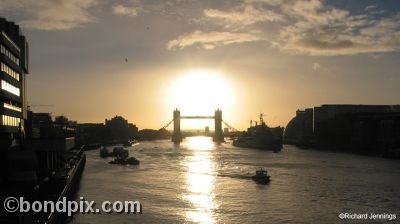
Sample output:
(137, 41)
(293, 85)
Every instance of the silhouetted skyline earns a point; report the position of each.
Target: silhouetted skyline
(94, 59)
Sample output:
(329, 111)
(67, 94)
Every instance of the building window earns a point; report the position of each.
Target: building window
(10, 55)
(10, 121)
(9, 88)
(11, 42)
(9, 71)
(12, 107)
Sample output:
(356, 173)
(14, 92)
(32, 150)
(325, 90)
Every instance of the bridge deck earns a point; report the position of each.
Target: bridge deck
(197, 117)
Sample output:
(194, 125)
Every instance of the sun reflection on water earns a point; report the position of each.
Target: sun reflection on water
(199, 143)
(200, 180)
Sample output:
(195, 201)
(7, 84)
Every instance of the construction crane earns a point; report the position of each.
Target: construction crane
(39, 105)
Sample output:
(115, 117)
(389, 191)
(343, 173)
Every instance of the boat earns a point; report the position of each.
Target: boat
(117, 152)
(121, 152)
(125, 161)
(132, 161)
(103, 152)
(127, 144)
(261, 177)
(261, 136)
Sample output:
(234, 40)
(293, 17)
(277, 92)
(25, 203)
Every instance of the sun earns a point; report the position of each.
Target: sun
(200, 92)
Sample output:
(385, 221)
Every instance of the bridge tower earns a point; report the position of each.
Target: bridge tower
(218, 135)
(176, 135)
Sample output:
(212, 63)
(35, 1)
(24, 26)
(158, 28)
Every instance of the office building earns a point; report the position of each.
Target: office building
(14, 65)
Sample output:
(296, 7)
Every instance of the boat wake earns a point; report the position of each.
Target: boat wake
(236, 176)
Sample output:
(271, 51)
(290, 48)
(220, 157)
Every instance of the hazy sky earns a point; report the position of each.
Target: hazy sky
(270, 56)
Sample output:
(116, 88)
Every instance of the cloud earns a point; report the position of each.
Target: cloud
(51, 15)
(369, 7)
(307, 27)
(316, 66)
(210, 40)
(375, 56)
(269, 2)
(124, 11)
(249, 15)
(316, 30)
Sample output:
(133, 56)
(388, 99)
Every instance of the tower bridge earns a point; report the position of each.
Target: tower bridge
(218, 133)
(177, 135)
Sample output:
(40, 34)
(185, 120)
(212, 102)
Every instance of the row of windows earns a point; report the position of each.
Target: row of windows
(9, 71)
(10, 55)
(10, 121)
(12, 107)
(9, 88)
(11, 42)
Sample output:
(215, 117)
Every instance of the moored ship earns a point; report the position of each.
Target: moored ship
(261, 136)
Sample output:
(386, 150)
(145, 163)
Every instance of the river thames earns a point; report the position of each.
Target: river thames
(203, 182)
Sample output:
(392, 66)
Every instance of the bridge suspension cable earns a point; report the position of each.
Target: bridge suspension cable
(230, 126)
(225, 123)
(166, 126)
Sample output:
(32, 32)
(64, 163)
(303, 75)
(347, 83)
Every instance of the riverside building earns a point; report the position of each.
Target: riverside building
(14, 54)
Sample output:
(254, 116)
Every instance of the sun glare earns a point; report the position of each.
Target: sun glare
(200, 92)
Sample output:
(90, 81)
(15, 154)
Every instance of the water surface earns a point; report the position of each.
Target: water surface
(203, 182)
